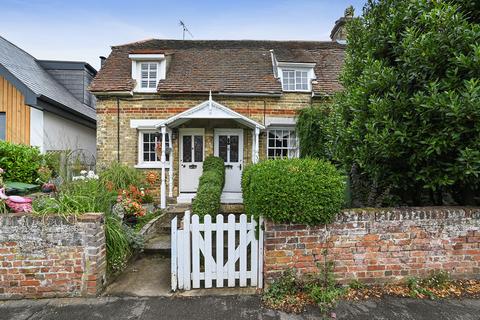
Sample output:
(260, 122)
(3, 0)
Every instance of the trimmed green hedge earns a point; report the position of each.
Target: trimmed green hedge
(20, 162)
(207, 200)
(306, 191)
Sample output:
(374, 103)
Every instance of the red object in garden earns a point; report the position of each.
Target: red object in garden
(16, 203)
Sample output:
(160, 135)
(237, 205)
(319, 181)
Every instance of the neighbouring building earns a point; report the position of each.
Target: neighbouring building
(167, 104)
(46, 103)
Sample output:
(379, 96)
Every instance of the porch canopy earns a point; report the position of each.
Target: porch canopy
(206, 110)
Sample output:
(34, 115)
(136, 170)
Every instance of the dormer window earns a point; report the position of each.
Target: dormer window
(294, 76)
(149, 75)
(295, 80)
(147, 71)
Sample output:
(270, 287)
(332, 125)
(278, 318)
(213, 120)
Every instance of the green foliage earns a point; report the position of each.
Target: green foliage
(411, 105)
(75, 198)
(356, 284)
(83, 196)
(117, 243)
(424, 287)
(19, 161)
(316, 129)
(287, 291)
(293, 190)
(120, 177)
(286, 285)
(207, 200)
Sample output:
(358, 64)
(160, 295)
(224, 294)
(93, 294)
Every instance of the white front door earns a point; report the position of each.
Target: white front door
(191, 158)
(229, 147)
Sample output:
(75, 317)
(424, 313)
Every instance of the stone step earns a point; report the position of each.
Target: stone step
(159, 244)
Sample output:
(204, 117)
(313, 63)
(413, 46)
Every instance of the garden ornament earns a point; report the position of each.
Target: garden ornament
(16, 203)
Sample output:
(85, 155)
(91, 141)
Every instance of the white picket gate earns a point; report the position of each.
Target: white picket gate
(216, 251)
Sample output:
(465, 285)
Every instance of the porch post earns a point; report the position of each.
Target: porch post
(170, 171)
(163, 195)
(253, 146)
(257, 133)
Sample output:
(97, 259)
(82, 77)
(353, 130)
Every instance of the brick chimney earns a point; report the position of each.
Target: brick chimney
(339, 33)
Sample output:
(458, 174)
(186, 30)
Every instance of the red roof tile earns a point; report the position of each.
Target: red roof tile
(233, 66)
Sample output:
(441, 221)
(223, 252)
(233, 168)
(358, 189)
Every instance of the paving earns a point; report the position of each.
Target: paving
(231, 308)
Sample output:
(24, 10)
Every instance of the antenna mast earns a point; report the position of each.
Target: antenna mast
(185, 29)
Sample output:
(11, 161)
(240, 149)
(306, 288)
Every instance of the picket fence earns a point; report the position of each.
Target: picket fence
(203, 253)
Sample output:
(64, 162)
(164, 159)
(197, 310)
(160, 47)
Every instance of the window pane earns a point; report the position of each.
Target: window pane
(144, 84)
(198, 148)
(233, 148)
(153, 66)
(222, 147)
(187, 148)
(3, 127)
(144, 66)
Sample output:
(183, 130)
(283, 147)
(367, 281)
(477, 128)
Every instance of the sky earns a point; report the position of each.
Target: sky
(85, 30)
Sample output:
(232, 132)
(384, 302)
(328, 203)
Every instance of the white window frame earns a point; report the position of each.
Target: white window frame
(296, 153)
(297, 67)
(148, 79)
(138, 60)
(141, 163)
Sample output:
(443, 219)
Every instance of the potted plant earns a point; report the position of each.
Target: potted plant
(132, 208)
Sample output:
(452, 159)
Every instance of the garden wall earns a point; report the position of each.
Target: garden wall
(43, 257)
(380, 245)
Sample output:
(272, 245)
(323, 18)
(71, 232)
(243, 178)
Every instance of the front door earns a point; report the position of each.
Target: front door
(229, 147)
(191, 158)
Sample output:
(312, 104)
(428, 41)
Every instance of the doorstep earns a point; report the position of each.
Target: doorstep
(226, 198)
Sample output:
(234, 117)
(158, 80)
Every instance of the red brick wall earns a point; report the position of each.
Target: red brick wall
(379, 245)
(44, 257)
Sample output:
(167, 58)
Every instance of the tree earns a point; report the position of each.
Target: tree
(410, 111)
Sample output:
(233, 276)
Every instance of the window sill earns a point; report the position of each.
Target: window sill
(151, 165)
(303, 91)
(146, 90)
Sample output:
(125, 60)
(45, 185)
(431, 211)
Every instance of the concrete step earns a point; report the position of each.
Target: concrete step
(159, 244)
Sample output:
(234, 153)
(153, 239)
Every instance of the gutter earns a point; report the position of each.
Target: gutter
(112, 93)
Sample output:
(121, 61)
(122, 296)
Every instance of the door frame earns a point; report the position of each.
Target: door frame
(185, 132)
(241, 146)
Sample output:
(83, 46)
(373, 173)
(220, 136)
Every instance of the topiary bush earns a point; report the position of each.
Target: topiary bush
(305, 191)
(207, 200)
(20, 162)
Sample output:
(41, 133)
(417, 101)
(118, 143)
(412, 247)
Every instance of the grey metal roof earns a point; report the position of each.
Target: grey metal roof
(27, 70)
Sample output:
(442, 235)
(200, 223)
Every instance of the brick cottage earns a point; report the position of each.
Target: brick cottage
(167, 104)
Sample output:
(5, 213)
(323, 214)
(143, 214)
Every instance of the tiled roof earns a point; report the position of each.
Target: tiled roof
(28, 70)
(232, 66)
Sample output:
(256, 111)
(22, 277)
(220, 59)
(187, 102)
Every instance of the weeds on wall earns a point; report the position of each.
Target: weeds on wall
(292, 293)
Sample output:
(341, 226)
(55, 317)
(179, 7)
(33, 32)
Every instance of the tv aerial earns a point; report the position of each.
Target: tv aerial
(185, 30)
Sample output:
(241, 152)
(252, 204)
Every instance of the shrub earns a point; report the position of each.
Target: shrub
(119, 177)
(20, 162)
(293, 190)
(410, 105)
(317, 132)
(207, 200)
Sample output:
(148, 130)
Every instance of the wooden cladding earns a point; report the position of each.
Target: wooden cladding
(12, 103)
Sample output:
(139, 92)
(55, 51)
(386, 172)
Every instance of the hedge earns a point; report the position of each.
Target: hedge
(210, 187)
(20, 162)
(306, 191)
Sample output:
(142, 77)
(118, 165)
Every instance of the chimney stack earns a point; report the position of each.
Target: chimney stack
(339, 33)
(102, 61)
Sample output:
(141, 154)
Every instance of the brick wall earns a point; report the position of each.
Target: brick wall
(43, 257)
(379, 245)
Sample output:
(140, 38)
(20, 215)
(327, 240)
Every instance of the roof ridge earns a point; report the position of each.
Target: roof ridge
(227, 40)
(13, 44)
